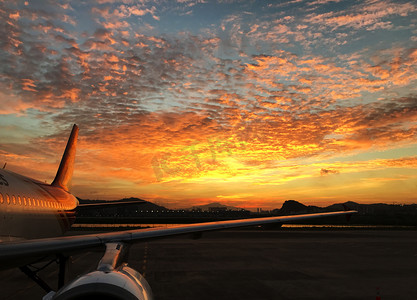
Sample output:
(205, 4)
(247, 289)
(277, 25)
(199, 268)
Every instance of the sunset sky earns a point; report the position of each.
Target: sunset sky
(247, 103)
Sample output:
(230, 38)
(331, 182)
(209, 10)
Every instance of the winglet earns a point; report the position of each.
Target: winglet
(66, 167)
(348, 216)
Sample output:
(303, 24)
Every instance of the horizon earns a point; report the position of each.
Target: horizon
(247, 103)
(254, 209)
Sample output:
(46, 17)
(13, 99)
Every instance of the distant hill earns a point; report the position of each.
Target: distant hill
(368, 214)
(292, 206)
(150, 213)
(122, 210)
(213, 205)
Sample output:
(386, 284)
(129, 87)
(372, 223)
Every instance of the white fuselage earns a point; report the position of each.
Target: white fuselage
(32, 209)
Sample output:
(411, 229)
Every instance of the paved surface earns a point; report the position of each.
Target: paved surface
(250, 264)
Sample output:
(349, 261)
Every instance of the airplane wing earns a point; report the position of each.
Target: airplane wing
(106, 204)
(14, 254)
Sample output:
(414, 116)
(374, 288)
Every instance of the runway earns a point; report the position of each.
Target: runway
(252, 264)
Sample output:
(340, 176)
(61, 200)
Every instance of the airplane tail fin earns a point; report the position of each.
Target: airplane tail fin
(66, 167)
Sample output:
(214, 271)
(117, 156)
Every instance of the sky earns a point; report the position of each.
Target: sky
(246, 103)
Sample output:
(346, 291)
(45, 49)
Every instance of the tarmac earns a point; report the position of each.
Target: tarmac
(257, 264)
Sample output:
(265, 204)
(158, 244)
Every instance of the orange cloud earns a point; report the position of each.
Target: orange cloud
(29, 85)
(368, 15)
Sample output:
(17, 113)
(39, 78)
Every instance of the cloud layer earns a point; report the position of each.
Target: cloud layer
(168, 95)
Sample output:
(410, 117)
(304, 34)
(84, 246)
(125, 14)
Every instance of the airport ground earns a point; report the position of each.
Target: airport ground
(271, 264)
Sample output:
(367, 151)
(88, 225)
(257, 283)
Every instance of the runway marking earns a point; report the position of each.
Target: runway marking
(145, 260)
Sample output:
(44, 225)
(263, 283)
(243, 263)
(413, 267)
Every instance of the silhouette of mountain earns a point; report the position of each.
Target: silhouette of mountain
(291, 207)
(216, 205)
(368, 214)
(126, 210)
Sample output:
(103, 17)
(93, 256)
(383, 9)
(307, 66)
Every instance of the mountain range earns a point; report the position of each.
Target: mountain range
(368, 214)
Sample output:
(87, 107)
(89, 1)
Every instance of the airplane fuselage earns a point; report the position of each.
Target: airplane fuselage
(33, 209)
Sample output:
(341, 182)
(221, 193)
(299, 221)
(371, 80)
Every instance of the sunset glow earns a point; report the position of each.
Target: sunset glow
(247, 103)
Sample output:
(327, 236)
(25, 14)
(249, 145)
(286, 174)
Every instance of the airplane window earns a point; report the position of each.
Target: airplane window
(1, 198)
(14, 199)
(8, 198)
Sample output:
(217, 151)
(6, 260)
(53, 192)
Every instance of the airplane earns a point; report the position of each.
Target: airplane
(34, 216)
